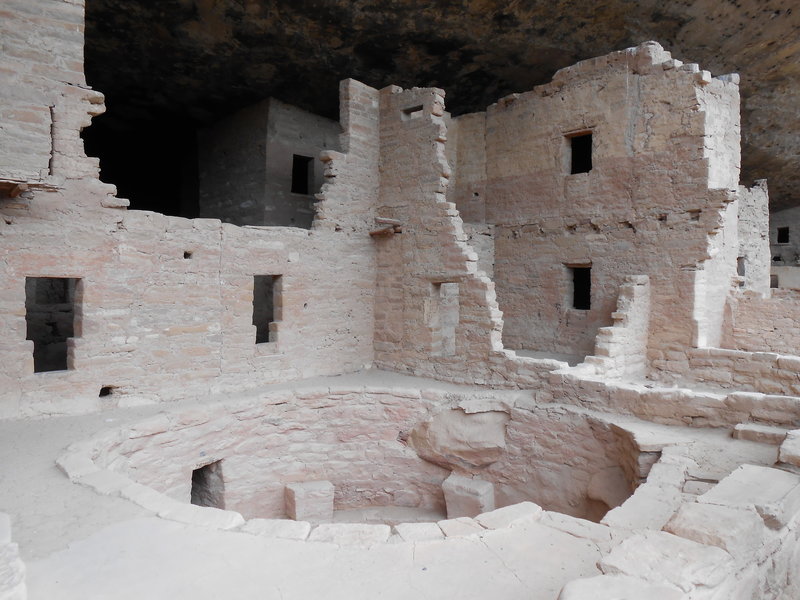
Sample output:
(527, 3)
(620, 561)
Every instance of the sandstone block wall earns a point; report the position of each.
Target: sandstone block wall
(626, 216)
(246, 161)
(165, 304)
(430, 253)
(367, 443)
(765, 323)
(789, 252)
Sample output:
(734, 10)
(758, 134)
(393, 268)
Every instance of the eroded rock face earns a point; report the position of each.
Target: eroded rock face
(205, 58)
(456, 439)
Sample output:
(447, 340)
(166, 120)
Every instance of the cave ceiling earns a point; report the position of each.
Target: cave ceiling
(197, 60)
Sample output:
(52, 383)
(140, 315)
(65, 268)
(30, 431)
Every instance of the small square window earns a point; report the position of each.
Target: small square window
(783, 235)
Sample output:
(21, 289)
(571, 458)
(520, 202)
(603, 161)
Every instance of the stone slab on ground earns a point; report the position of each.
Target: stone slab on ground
(618, 587)
(419, 532)
(737, 531)
(665, 559)
(461, 526)
(775, 494)
(278, 528)
(350, 534)
(509, 515)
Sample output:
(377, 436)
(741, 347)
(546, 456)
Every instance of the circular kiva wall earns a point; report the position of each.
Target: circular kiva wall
(379, 448)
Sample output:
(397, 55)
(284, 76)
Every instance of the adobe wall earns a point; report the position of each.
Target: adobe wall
(165, 303)
(663, 134)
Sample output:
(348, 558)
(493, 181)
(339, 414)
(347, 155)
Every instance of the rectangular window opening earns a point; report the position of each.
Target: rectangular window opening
(208, 487)
(581, 287)
(302, 174)
(413, 112)
(580, 153)
(740, 266)
(266, 307)
(444, 318)
(783, 235)
(50, 320)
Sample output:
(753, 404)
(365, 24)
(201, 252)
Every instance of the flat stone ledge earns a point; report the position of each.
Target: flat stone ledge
(509, 516)
(738, 531)
(460, 527)
(617, 587)
(203, 516)
(754, 432)
(350, 534)
(284, 529)
(419, 532)
(774, 494)
(665, 559)
(790, 449)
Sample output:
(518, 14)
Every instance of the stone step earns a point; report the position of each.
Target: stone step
(755, 432)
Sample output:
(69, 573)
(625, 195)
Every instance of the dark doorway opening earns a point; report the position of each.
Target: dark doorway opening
(50, 320)
(581, 287)
(266, 289)
(302, 174)
(581, 146)
(783, 235)
(208, 487)
(153, 163)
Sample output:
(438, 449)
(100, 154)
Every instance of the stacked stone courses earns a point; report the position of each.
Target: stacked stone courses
(426, 355)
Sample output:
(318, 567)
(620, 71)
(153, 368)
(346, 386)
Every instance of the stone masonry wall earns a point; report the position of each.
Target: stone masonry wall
(43, 88)
(765, 324)
(789, 252)
(246, 164)
(644, 208)
(754, 247)
(294, 131)
(358, 439)
(431, 251)
(232, 163)
(166, 303)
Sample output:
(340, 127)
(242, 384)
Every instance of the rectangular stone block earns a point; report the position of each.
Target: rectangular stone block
(309, 501)
(466, 497)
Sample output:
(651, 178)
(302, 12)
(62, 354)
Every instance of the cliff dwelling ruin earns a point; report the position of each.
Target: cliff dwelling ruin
(543, 345)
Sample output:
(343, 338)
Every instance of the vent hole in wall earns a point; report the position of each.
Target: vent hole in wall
(208, 487)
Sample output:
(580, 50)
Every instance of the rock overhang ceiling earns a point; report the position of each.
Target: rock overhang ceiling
(201, 59)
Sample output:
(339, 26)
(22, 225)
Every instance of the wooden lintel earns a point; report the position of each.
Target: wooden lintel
(17, 190)
(382, 231)
(385, 221)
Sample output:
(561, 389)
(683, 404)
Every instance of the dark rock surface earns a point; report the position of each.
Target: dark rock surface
(196, 60)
